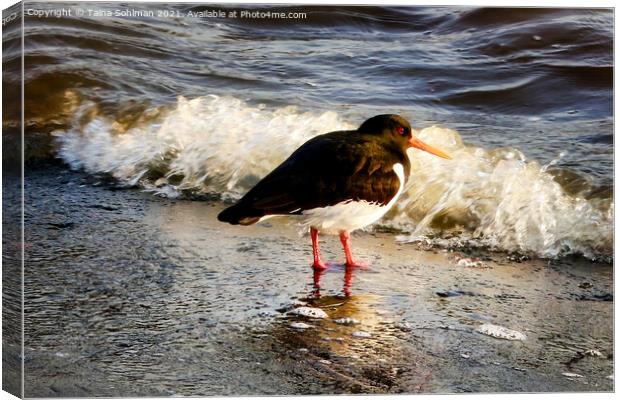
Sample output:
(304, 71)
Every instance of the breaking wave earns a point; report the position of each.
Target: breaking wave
(495, 198)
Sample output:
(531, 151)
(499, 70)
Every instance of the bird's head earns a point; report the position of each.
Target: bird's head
(396, 129)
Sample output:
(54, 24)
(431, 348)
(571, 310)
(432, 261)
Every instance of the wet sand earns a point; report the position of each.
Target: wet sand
(131, 294)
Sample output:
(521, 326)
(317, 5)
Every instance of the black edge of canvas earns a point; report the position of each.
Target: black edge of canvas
(12, 200)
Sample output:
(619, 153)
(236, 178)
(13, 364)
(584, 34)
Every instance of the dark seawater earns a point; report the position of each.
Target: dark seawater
(533, 85)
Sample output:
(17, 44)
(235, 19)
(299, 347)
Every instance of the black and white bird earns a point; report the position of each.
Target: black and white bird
(336, 182)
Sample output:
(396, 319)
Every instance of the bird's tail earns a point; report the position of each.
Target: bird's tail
(240, 215)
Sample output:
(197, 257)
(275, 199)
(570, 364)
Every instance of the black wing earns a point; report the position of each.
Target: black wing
(326, 170)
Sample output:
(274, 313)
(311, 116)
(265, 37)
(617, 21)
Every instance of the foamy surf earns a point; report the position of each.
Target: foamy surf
(498, 199)
(494, 198)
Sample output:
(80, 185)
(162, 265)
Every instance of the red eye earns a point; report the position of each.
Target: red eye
(402, 130)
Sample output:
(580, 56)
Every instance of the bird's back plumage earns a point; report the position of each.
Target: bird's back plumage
(327, 170)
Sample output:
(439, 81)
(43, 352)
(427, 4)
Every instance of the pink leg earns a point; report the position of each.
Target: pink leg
(344, 239)
(317, 264)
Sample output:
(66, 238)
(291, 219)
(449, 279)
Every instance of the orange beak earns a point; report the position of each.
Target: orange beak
(418, 144)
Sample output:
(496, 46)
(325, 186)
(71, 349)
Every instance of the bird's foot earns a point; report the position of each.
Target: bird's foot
(354, 264)
(319, 265)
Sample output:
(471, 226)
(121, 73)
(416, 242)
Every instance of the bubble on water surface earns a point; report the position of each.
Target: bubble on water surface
(309, 312)
(500, 332)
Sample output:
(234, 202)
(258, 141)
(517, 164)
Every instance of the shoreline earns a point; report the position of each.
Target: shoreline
(134, 294)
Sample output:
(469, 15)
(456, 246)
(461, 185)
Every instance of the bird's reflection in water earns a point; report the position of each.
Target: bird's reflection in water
(357, 345)
(348, 277)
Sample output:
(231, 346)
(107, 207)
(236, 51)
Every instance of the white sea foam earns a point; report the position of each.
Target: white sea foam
(500, 332)
(495, 197)
(499, 198)
(310, 312)
(210, 143)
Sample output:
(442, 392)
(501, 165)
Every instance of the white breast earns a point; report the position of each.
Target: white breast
(350, 215)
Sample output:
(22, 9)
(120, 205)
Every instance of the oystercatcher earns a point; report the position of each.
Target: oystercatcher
(336, 182)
